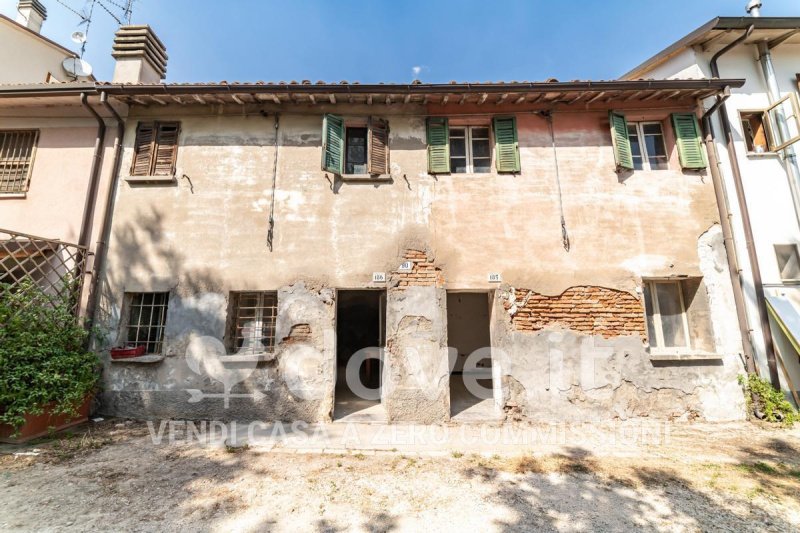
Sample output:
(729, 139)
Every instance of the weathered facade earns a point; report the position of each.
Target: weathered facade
(568, 323)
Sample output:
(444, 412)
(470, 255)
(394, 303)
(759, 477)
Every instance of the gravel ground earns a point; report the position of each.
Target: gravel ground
(109, 476)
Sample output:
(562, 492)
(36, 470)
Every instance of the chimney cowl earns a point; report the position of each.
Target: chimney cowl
(140, 54)
(753, 8)
(31, 14)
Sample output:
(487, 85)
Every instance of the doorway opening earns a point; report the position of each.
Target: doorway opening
(471, 383)
(360, 334)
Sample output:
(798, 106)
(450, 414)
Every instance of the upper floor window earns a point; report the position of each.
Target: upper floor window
(771, 129)
(17, 149)
(470, 151)
(155, 149)
(788, 262)
(642, 146)
(648, 148)
(355, 148)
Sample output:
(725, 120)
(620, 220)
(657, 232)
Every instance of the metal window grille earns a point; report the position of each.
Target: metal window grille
(17, 148)
(147, 317)
(54, 267)
(253, 325)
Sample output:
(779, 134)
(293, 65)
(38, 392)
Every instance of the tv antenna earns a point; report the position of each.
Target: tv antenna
(119, 10)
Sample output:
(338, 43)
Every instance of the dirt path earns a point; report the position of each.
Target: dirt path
(111, 477)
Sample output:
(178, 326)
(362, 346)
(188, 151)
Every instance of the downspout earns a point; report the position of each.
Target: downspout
(94, 174)
(763, 317)
(727, 233)
(102, 244)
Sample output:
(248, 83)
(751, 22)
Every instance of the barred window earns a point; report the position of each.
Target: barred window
(147, 316)
(252, 324)
(17, 148)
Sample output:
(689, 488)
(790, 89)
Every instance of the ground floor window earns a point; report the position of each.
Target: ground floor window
(147, 317)
(252, 322)
(667, 324)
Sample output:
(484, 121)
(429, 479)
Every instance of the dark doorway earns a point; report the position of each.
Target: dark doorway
(468, 316)
(360, 324)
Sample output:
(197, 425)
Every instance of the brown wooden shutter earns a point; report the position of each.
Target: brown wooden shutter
(143, 149)
(378, 162)
(166, 149)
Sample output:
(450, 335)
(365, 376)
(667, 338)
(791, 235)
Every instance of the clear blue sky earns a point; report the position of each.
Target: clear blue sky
(383, 40)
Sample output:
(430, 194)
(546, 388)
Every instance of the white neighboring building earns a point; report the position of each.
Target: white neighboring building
(767, 55)
(26, 56)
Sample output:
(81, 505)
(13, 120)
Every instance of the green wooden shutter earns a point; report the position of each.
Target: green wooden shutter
(619, 140)
(333, 144)
(506, 144)
(438, 145)
(687, 137)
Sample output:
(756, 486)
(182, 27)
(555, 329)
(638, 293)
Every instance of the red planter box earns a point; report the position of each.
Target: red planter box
(39, 425)
(126, 353)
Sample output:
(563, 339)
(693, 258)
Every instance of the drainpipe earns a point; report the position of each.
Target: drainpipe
(727, 233)
(94, 174)
(763, 317)
(102, 244)
(774, 94)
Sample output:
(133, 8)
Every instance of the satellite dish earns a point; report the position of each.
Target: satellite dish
(79, 37)
(77, 67)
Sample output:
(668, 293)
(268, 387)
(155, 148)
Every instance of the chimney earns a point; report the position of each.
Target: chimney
(31, 14)
(141, 56)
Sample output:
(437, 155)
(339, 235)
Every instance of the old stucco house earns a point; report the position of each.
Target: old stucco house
(264, 235)
(754, 134)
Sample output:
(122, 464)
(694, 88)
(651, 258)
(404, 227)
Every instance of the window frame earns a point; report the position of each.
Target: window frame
(769, 128)
(126, 326)
(359, 126)
(658, 347)
(468, 155)
(788, 281)
(232, 336)
(26, 182)
(640, 135)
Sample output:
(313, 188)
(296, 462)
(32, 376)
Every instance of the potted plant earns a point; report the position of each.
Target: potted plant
(47, 375)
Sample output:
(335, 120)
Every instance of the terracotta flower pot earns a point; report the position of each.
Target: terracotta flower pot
(40, 425)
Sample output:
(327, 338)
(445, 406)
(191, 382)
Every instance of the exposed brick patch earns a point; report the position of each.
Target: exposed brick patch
(423, 272)
(298, 333)
(590, 310)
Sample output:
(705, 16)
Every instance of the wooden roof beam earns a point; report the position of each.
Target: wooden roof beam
(653, 95)
(237, 99)
(502, 98)
(332, 98)
(445, 98)
(158, 100)
(407, 99)
(596, 97)
(483, 98)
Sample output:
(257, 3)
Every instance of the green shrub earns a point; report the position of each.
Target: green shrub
(43, 355)
(771, 402)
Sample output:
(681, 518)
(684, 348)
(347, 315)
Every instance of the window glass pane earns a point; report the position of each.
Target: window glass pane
(671, 311)
(652, 128)
(636, 149)
(356, 151)
(457, 132)
(480, 148)
(480, 133)
(651, 326)
(146, 319)
(458, 147)
(482, 165)
(654, 146)
(788, 261)
(458, 165)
